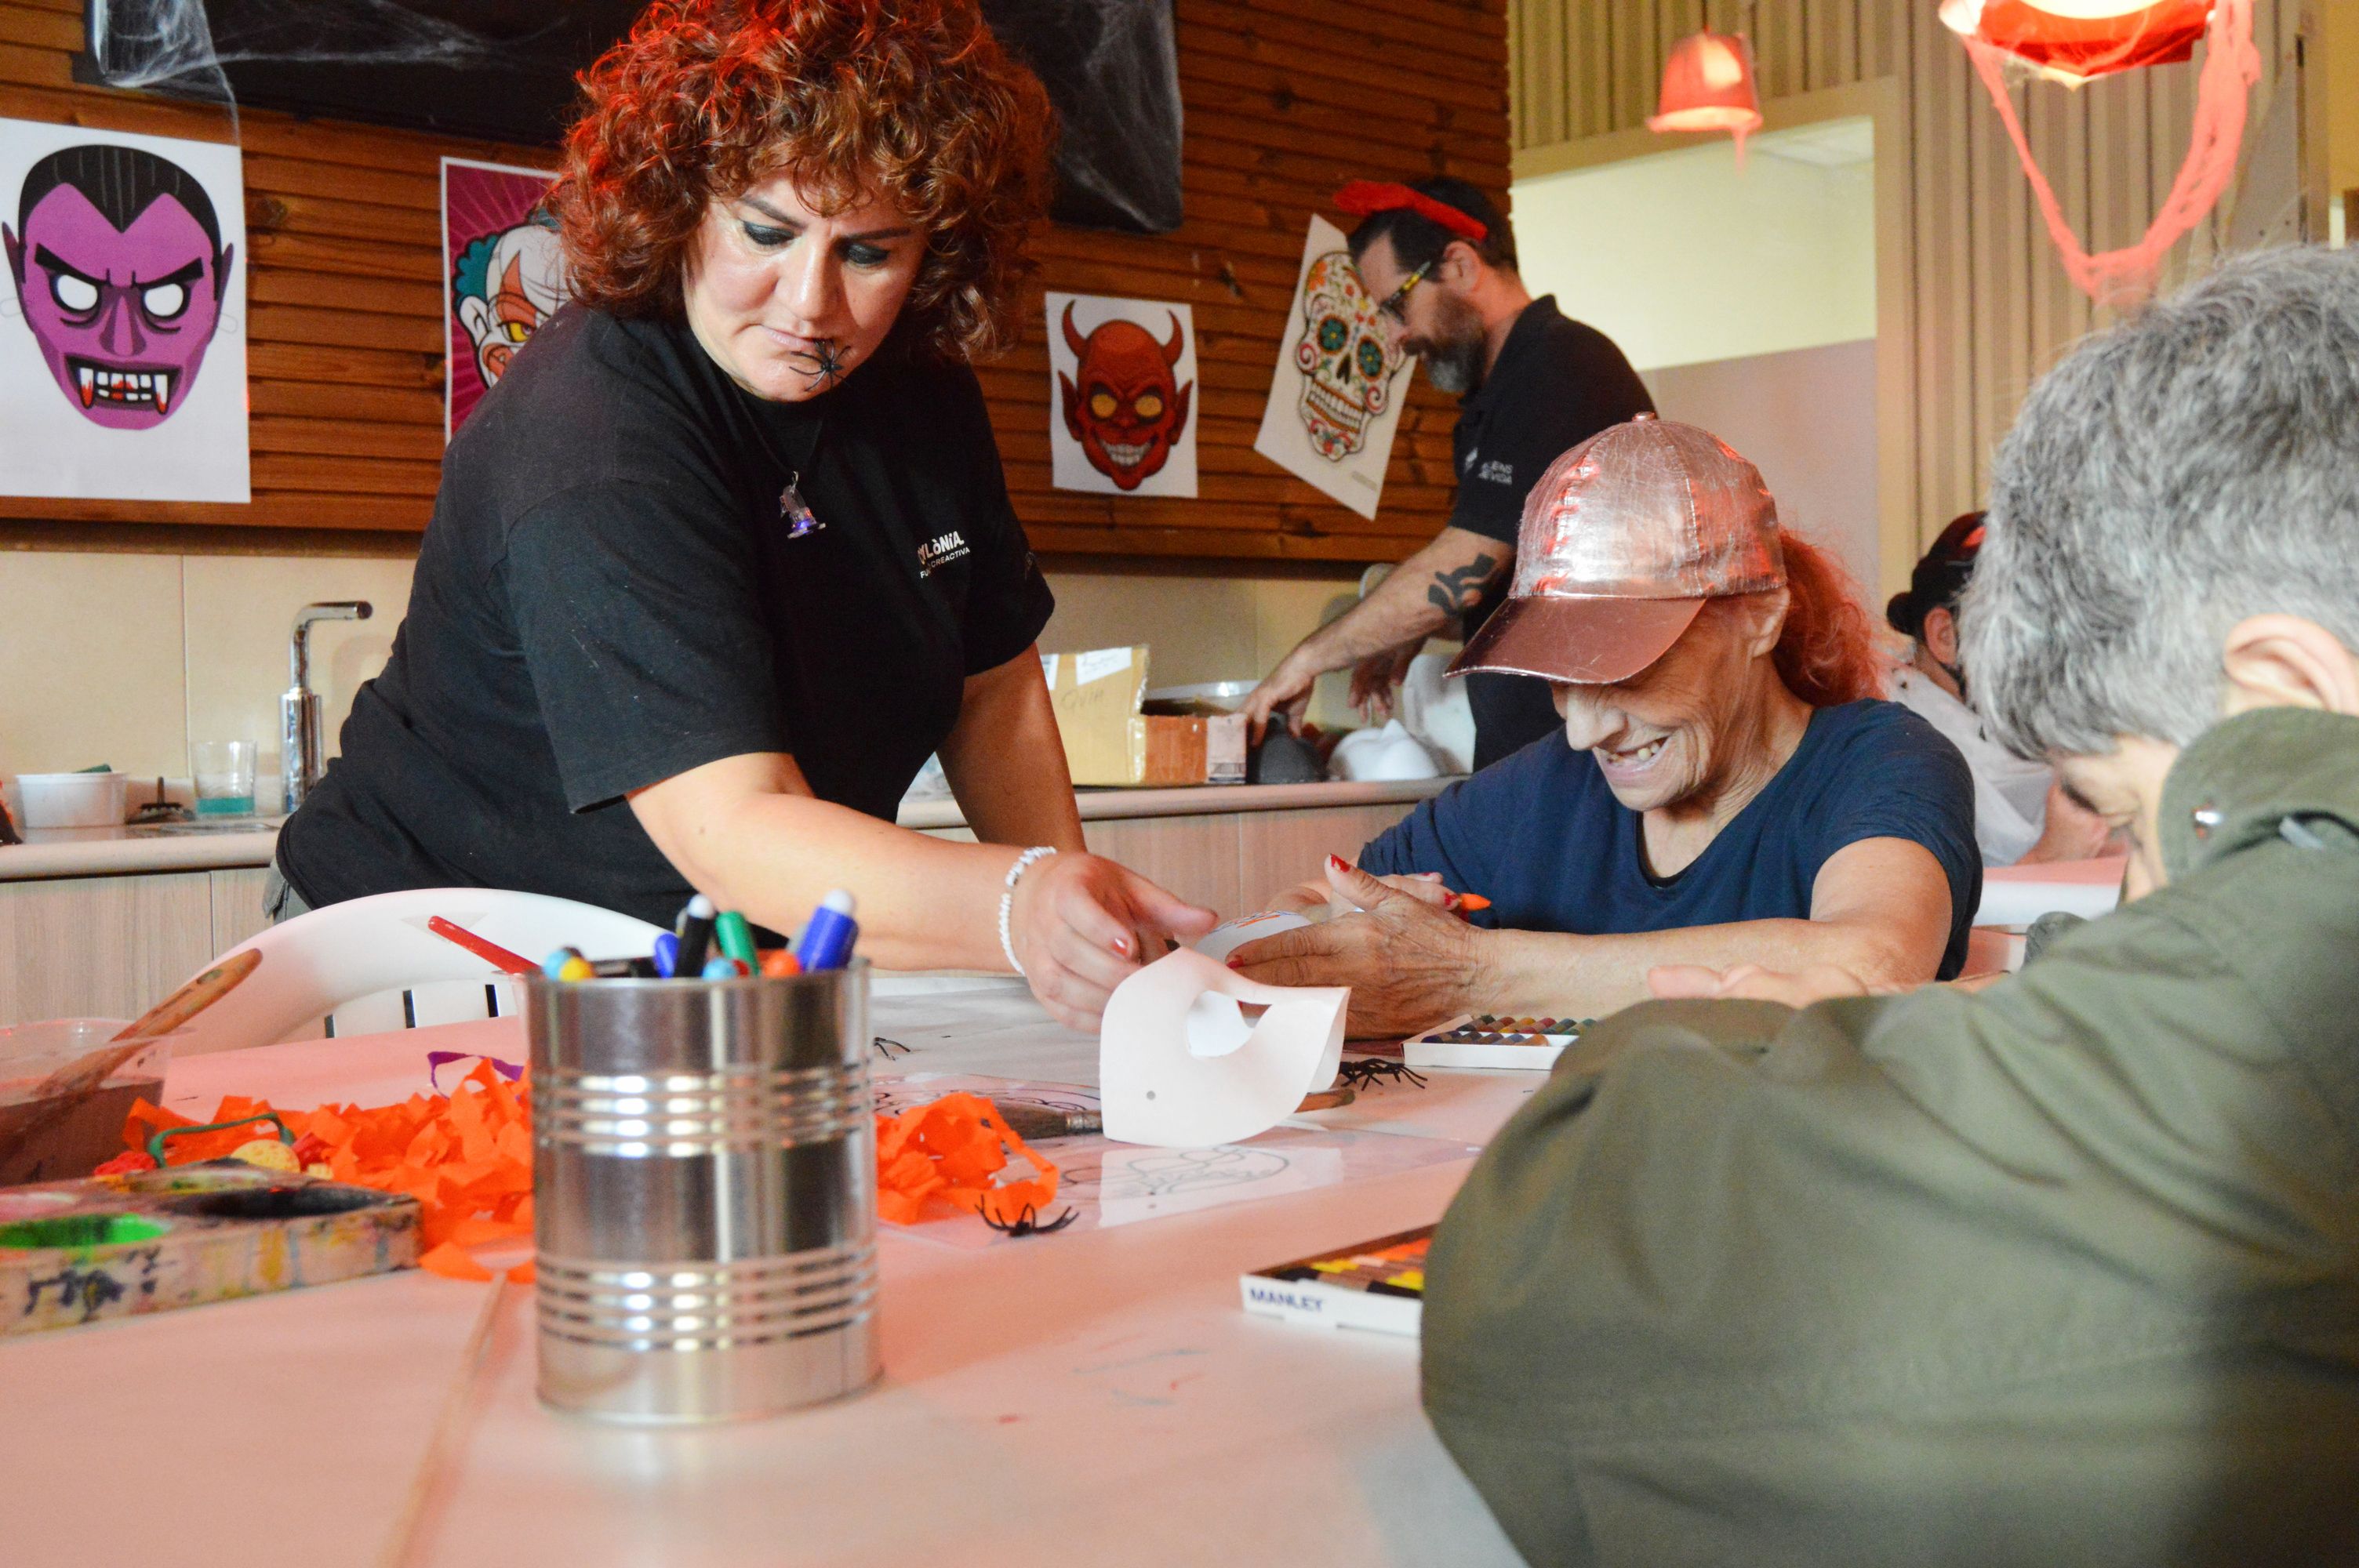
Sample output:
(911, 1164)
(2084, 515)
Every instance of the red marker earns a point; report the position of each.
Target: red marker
(492, 953)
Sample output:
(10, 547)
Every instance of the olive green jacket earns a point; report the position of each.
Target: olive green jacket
(2065, 1273)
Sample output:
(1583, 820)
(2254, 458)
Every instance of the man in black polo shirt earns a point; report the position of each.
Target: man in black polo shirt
(1441, 261)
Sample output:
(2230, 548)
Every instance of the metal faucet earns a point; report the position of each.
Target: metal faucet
(299, 708)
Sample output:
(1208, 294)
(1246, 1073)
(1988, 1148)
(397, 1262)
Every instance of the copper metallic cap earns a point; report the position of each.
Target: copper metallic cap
(1623, 540)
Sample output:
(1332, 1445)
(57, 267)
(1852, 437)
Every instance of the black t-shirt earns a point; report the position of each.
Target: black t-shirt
(611, 593)
(1557, 383)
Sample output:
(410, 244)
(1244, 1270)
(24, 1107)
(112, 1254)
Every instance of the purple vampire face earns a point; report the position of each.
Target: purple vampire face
(119, 270)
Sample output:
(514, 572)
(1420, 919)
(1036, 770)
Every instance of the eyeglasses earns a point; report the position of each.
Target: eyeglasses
(1396, 304)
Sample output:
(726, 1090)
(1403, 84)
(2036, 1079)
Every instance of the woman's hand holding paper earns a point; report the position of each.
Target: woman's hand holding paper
(1080, 924)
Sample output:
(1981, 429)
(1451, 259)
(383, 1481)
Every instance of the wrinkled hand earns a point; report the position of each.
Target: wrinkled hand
(1422, 885)
(1081, 924)
(1284, 692)
(1751, 982)
(1409, 962)
(1374, 677)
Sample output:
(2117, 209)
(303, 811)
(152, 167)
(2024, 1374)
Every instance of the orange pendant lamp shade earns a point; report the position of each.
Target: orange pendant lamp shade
(1708, 86)
(2072, 40)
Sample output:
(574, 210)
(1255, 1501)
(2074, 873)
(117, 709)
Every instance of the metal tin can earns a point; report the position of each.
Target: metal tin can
(704, 1194)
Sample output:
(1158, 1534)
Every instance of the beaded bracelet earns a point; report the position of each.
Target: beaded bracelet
(1007, 900)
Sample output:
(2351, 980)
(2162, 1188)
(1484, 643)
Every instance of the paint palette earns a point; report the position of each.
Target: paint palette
(115, 1247)
(1489, 1040)
(1378, 1284)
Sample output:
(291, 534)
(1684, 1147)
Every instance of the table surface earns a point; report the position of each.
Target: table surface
(1091, 1398)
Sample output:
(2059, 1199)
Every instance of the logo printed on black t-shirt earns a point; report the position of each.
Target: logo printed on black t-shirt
(1497, 472)
(940, 550)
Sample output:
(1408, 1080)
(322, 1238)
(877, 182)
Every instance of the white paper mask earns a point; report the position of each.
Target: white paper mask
(1181, 1065)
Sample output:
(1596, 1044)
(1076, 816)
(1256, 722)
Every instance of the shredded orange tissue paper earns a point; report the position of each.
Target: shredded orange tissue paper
(951, 1150)
(466, 1157)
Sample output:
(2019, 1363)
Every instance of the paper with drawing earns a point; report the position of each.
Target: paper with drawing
(1335, 398)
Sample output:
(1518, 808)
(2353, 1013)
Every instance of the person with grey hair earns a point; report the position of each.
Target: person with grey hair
(2063, 1270)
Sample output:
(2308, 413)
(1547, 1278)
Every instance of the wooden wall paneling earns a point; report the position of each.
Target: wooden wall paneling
(1281, 849)
(1593, 80)
(344, 274)
(1193, 856)
(99, 946)
(236, 898)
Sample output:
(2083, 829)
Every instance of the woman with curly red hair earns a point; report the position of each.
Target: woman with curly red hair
(728, 552)
(1726, 786)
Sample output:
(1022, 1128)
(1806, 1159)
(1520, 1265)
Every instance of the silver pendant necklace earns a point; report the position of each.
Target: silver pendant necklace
(794, 511)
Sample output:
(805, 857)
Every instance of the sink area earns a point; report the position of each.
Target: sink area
(224, 824)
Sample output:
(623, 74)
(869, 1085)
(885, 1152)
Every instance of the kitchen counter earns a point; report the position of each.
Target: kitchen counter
(192, 847)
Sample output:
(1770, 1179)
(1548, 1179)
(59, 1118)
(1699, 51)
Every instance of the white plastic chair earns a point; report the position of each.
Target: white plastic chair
(369, 964)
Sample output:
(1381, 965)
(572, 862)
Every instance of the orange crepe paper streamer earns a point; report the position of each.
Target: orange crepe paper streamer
(465, 1157)
(948, 1152)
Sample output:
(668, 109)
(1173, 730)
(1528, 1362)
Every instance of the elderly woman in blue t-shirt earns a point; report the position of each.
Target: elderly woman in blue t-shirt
(1728, 789)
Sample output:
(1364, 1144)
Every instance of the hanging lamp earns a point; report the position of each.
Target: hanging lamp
(2071, 41)
(1708, 86)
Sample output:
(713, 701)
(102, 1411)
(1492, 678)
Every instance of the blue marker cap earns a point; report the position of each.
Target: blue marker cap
(827, 939)
(666, 953)
(721, 966)
(557, 960)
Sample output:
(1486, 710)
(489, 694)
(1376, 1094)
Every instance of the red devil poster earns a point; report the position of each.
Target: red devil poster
(122, 316)
(1122, 395)
(503, 274)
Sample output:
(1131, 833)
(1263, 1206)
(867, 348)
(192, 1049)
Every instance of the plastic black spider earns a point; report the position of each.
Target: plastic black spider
(888, 1048)
(1362, 1073)
(1027, 1224)
(831, 364)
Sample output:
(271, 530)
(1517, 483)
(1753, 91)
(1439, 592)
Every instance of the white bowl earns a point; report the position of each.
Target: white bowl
(73, 800)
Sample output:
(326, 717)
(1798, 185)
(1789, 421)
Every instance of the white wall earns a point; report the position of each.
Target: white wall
(1807, 418)
(1681, 257)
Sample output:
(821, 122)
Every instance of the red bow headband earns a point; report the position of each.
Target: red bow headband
(1364, 197)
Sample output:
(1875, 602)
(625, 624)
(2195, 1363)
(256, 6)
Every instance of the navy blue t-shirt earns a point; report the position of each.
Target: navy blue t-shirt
(1540, 835)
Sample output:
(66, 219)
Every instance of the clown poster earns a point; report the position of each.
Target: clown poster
(1336, 398)
(503, 276)
(1121, 392)
(122, 317)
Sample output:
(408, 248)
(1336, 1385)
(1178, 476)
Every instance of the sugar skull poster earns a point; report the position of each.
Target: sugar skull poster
(1336, 398)
(503, 274)
(122, 317)
(1121, 394)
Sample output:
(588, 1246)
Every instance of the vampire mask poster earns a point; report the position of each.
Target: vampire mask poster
(1337, 394)
(1122, 395)
(122, 317)
(503, 274)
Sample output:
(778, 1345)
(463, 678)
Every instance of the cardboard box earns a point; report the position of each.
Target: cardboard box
(1099, 695)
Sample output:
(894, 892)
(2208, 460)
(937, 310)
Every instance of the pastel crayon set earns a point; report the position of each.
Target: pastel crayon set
(1377, 1284)
(1490, 1039)
(116, 1246)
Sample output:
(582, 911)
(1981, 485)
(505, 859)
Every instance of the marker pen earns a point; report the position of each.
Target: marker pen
(735, 938)
(827, 939)
(695, 935)
(666, 954)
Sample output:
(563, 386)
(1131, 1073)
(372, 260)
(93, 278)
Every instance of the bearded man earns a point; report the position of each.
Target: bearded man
(1439, 260)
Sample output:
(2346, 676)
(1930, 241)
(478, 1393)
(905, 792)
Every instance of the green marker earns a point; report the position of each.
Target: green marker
(736, 938)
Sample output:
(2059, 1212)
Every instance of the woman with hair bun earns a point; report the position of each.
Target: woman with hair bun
(728, 553)
(1728, 787)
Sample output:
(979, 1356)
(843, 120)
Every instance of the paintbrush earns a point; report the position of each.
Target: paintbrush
(70, 1084)
(1031, 1122)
